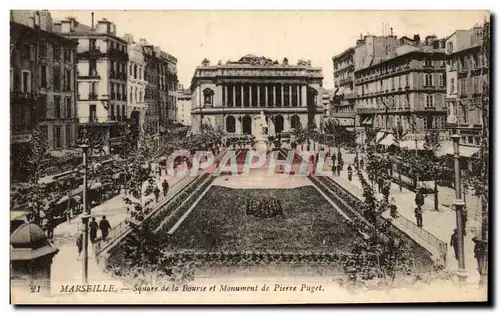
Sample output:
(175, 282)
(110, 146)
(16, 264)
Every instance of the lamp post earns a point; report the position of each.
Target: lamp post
(459, 205)
(85, 218)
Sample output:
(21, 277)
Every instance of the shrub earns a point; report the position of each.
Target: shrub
(264, 207)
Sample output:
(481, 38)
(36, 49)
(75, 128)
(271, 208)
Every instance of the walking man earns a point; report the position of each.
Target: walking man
(165, 187)
(418, 216)
(79, 244)
(454, 243)
(478, 252)
(157, 193)
(362, 163)
(93, 230)
(349, 173)
(104, 226)
(419, 198)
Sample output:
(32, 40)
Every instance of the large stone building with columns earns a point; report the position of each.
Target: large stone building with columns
(228, 96)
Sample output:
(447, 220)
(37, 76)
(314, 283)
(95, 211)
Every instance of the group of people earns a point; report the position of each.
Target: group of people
(104, 226)
(157, 191)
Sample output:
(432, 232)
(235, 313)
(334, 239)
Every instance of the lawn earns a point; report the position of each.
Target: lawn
(219, 223)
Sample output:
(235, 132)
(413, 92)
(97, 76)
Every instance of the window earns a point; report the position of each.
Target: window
(140, 73)
(428, 80)
(68, 135)
(42, 108)
(135, 71)
(452, 85)
(465, 114)
(57, 78)
(43, 49)
(462, 86)
(43, 76)
(407, 80)
(94, 89)
(428, 63)
(44, 130)
(429, 100)
(26, 82)
(55, 52)
(92, 67)
(441, 80)
(26, 52)
(113, 91)
(92, 44)
(67, 102)
(67, 80)
(67, 55)
(57, 107)
(140, 96)
(56, 136)
(92, 113)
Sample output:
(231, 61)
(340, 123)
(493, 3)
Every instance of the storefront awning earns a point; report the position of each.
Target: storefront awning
(410, 145)
(388, 140)
(446, 148)
(367, 121)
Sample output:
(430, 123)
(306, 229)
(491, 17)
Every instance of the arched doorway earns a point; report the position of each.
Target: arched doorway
(247, 125)
(295, 122)
(278, 124)
(230, 124)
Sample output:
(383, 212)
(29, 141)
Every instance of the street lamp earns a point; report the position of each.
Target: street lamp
(85, 217)
(459, 205)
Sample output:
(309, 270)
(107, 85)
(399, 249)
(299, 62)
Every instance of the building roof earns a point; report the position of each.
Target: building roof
(28, 235)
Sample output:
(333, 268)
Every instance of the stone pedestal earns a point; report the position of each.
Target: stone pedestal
(261, 145)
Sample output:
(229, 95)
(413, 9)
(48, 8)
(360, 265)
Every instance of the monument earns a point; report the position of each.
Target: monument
(260, 131)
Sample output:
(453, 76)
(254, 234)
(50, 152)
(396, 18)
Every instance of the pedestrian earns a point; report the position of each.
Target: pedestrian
(418, 216)
(104, 226)
(393, 208)
(165, 187)
(349, 173)
(419, 198)
(50, 227)
(334, 168)
(362, 163)
(478, 252)
(156, 191)
(339, 168)
(454, 243)
(355, 161)
(93, 230)
(79, 244)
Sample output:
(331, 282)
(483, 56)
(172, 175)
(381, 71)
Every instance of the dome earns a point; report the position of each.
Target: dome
(28, 235)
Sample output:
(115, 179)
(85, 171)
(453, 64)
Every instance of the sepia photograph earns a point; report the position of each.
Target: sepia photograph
(249, 157)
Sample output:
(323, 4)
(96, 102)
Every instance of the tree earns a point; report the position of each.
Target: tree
(139, 179)
(432, 143)
(88, 134)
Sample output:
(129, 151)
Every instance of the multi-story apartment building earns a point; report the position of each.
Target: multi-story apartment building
(467, 75)
(151, 96)
(343, 110)
(102, 77)
(42, 86)
(326, 99)
(406, 85)
(172, 84)
(136, 84)
(163, 92)
(184, 107)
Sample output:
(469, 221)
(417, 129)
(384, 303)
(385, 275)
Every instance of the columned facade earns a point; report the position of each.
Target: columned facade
(244, 88)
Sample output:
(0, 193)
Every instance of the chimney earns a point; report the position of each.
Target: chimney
(143, 41)
(392, 33)
(92, 21)
(416, 38)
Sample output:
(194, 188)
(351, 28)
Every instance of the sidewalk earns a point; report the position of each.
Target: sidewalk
(439, 224)
(65, 266)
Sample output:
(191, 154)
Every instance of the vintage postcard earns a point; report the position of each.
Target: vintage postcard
(249, 157)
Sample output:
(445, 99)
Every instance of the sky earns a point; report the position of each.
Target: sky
(192, 36)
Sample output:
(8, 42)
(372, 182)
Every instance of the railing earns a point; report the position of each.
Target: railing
(440, 246)
(123, 226)
(426, 236)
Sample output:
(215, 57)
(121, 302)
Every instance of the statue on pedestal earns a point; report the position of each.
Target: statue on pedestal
(260, 131)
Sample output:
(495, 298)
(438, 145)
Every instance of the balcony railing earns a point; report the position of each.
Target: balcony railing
(23, 96)
(93, 96)
(366, 110)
